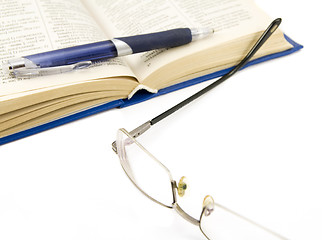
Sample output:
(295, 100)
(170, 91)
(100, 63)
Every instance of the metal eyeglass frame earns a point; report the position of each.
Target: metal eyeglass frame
(208, 203)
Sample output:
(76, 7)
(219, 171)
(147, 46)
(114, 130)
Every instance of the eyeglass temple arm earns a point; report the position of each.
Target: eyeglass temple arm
(268, 32)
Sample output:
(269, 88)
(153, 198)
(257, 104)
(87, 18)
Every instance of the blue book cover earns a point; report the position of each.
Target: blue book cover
(139, 97)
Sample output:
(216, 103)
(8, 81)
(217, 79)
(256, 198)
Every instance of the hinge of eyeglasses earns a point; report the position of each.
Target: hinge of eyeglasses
(140, 129)
(135, 133)
(114, 147)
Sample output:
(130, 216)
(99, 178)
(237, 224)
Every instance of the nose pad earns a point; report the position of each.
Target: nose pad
(208, 205)
(182, 186)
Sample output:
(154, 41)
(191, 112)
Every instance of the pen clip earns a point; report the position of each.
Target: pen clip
(36, 72)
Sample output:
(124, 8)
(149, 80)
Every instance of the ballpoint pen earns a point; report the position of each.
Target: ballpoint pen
(82, 56)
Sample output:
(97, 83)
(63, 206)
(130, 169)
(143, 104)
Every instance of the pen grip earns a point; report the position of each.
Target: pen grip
(165, 39)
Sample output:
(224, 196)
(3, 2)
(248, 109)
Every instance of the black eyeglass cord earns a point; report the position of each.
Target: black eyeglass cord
(267, 33)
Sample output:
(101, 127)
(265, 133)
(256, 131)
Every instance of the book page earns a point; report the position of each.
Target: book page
(231, 19)
(33, 26)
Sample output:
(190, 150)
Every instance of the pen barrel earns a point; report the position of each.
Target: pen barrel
(87, 52)
(107, 49)
(165, 39)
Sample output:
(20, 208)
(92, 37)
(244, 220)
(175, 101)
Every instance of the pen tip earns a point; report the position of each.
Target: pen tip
(200, 33)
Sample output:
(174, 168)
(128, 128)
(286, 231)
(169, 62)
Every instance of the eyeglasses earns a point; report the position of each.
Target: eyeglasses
(141, 166)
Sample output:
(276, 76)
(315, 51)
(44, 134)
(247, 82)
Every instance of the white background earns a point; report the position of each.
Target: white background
(254, 143)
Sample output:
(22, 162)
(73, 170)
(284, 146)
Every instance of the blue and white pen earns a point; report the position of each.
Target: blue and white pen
(78, 57)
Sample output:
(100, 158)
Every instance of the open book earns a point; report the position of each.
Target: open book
(33, 26)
